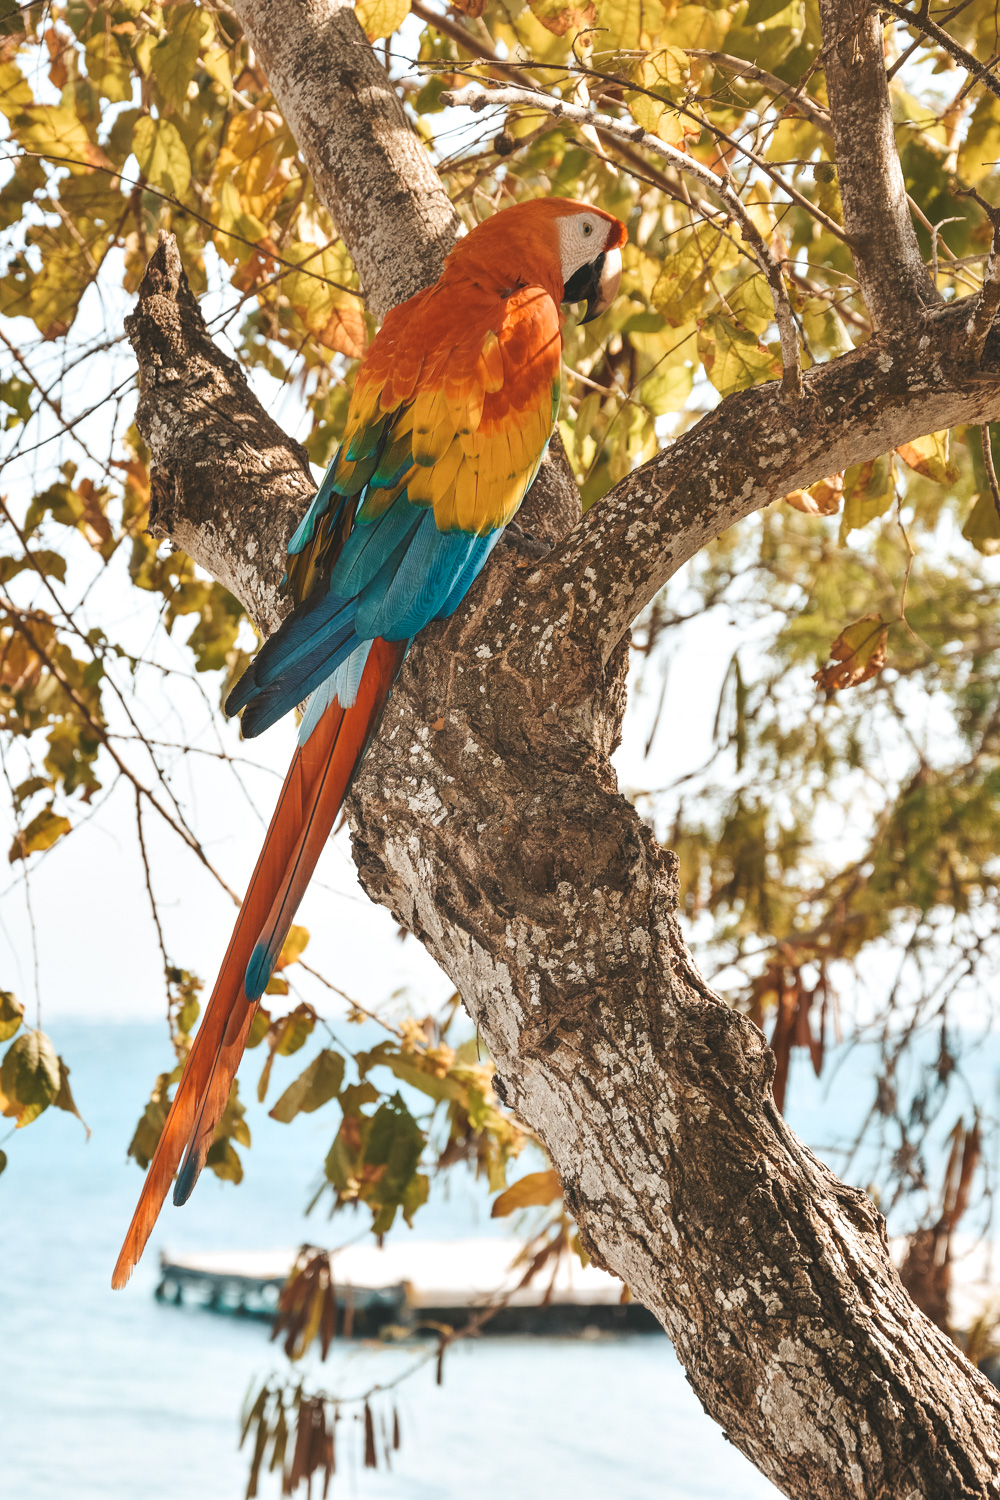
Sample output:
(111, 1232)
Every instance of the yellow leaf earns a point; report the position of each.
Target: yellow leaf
(667, 75)
(667, 388)
(15, 90)
(624, 22)
(379, 18)
(534, 1190)
(107, 69)
(752, 304)
(173, 60)
(332, 314)
(684, 282)
(56, 290)
(216, 65)
(11, 1015)
(978, 156)
(857, 654)
(161, 155)
(41, 833)
(929, 456)
(294, 946)
(557, 16)
(868, 493)
(732, 356)
(58, 134)
(251, 157)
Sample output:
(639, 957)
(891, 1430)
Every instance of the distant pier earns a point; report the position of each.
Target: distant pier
(407, 1283)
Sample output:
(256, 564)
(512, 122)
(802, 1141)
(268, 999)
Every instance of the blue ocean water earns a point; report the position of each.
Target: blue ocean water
(113, 1396)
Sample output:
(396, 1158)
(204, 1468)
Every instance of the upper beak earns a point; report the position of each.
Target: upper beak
(596, 284)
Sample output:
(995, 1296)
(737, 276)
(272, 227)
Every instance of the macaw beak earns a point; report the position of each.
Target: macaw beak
(596, 284)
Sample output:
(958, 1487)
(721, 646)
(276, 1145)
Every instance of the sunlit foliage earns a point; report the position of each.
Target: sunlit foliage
(849, 811)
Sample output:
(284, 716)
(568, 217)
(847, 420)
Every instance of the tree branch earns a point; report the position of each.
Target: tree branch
(928, 28)
(477, 97)
(894, 281)
(228, 486)
(753, 449)
(487, 819)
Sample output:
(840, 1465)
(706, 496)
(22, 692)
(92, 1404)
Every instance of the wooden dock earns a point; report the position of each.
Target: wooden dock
(407, 1282)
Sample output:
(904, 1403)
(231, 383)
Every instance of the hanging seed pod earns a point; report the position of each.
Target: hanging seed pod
(371, 1457)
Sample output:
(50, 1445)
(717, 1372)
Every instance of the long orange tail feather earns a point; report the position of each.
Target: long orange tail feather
(313, 792)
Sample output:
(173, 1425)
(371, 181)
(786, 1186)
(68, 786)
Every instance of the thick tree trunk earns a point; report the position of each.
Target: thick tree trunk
(488, 819)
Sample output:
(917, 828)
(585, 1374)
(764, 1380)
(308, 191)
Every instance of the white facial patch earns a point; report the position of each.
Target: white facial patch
(581, 239)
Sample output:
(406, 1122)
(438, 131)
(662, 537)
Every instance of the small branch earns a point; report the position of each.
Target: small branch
(807, 107)
(477, 97)
(991, 468)
(929, 28)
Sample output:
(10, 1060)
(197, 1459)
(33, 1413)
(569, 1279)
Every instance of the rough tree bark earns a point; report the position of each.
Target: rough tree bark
(500, 839)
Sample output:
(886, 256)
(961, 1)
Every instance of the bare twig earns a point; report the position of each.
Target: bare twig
(808, 107)
(476, 97)
(991, 468)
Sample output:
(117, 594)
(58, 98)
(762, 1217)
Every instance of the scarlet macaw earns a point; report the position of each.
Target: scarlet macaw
(452, 410)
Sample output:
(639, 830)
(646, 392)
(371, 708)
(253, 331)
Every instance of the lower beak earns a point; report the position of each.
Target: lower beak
(596, 284)
(605, 279)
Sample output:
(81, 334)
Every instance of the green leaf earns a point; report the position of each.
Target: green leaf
(259, 1027)
(11, 1015)
(29, 1077)
(395, 1142)
(313, 1088)
(407, 1068)
(161, 155)
(296, 1029)
(868, 493)
(685, 280)
(982, 528)
(224, 1161)
(733, 357)
(41, 833)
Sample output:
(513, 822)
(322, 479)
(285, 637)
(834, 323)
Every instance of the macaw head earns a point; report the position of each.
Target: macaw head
(571, 249)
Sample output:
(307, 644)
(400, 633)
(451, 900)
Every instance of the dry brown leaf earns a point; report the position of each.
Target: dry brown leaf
(856, 655)
(820, 499)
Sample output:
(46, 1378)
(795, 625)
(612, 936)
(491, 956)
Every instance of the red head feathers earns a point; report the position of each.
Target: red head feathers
(567, 247)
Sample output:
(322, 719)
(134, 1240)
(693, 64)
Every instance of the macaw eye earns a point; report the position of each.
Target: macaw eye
(588, 228)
